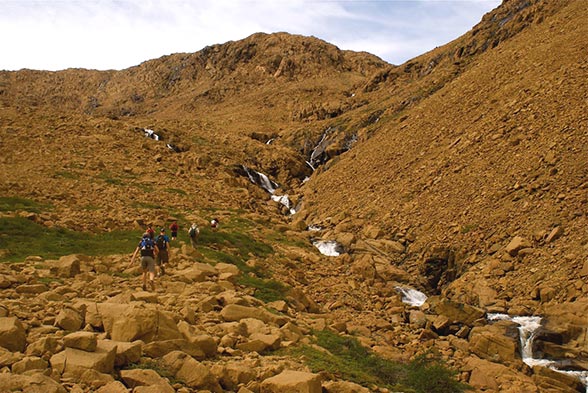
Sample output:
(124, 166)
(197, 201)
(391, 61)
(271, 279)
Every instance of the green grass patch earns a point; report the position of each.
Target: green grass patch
(146, 205)
(279, 237)
(243, 245)
(265, 290)
(468, 228)
(9, 204)
(176, 191)
(22, 237)
(49, 280)
(144, 187)
(110, 179)
(67, 175)
(346, 358)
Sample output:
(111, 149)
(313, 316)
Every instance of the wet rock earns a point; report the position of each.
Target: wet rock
(549, 380)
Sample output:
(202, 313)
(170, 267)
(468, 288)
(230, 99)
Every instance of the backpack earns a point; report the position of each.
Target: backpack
(160, 242)
(193, 232)
(146, 246)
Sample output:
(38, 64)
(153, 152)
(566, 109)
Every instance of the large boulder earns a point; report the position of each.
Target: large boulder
(157, 349)
(12, 334)
(36, 383)
(191, 371)
(137, 321)
(548, 380)
(292, 382)
(498, 342)
(76, 361)
(69, 319)
(343, 387)
(494, 377)
(197, 272)
(231, 375)
(126, 352)
(236, 312)
(145, 377)
(459, 312)
(86, 341)
(67, 266)
(29, 363)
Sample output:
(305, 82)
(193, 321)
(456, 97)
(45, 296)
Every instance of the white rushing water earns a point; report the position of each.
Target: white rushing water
(151, 134)
(412, 296)
(328, 247)
(284, 200)
(270, 186)
(528, 328)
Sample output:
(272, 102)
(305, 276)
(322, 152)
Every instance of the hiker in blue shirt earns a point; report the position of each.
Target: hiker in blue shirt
(148, 250)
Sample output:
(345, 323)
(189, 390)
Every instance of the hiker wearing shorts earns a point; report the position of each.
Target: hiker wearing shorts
(162, 243)
(174, 230)
(148, 250)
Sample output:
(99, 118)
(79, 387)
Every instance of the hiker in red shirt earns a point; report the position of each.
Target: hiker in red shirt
(150, 231)
(174, 230)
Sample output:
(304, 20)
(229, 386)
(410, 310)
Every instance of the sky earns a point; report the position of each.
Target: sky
(117, 34)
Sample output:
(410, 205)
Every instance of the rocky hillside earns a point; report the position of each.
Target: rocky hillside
(461, 173)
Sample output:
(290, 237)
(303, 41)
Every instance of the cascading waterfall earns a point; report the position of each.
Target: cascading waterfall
(412, 296)
(270, 186)
(528, 328)
(329, 248)
(151, 134)
(318, 150)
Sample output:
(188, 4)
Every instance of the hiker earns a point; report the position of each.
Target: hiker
(148, 251)
(150, 231)
(193, 233)
(162, 243)
(214, 224)
(174, 230)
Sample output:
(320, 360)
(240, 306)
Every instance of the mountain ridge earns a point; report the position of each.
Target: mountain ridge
(461, 172)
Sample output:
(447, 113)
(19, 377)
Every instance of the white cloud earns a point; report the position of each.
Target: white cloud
(105, 34)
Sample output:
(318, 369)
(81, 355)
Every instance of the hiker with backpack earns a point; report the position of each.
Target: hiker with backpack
(148, 250)
(174, 230)
(162, 243)
(193, 233)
